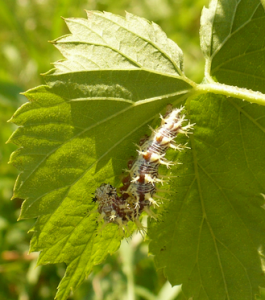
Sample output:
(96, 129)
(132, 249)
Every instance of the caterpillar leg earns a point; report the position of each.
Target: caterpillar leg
(161, 198)
(152, 202)
(150, 213)
(142, 230)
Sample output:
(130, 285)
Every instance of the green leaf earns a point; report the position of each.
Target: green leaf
(77, 132)
(232, 39)
(211, 236)
(211, 232)
(107, 41)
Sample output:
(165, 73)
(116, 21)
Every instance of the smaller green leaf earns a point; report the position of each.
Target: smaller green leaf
(232, 40)
(107, 41)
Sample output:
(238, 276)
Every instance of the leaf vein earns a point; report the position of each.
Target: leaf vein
(233, 33)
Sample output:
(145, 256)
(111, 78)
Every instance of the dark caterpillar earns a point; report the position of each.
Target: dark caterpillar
(139, 187)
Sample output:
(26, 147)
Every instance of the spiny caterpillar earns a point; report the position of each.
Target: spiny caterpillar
(139, 187)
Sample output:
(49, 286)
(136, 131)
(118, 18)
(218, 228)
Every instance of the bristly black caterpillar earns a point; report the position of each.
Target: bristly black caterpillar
(139, 187)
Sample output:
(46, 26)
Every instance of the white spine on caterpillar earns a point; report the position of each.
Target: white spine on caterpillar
(139, 188)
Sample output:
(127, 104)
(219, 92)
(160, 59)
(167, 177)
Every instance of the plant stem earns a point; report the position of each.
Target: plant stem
(230, 91)
(127, 253)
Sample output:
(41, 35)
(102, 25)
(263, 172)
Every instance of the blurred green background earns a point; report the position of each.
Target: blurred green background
(26, 27)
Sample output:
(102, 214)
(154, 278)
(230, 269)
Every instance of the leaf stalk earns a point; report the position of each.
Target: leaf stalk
(231, 91)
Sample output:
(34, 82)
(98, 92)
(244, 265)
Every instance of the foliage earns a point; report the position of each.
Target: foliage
(26, 26)
(210, 235)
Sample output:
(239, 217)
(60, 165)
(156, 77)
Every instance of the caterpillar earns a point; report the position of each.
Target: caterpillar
(139, 187)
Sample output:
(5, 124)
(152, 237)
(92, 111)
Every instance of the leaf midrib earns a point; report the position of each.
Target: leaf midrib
(239, 217)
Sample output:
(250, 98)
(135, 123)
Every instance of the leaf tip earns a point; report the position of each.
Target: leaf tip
(9, 121)
(8, 142)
